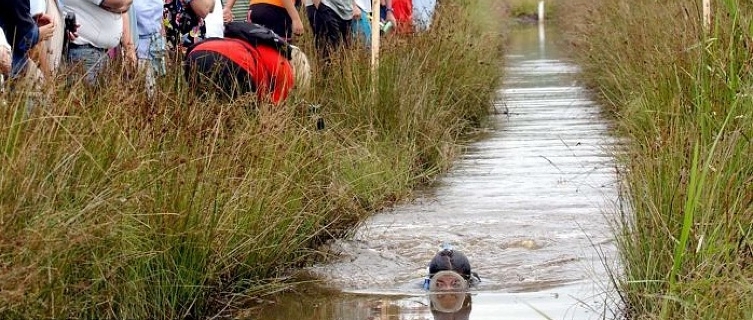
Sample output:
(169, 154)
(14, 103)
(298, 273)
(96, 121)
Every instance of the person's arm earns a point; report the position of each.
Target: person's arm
(227, 11)
(26, 34)
(114, 6)
(356, 11)
(126, 42)
(294, 16)
(390, 16)
(202, 8)
(4, 54)
(39, 53)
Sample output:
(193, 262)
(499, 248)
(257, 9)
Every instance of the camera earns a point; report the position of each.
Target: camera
(70, 22)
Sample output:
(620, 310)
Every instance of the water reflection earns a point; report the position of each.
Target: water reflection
(440, 306)
(468, 306)
(450, 305)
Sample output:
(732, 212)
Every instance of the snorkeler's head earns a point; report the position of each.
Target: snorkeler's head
(450, 260)
(448, 281)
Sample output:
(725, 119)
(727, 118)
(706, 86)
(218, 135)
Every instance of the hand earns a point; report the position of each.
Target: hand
(131, 60)
(46, 31)
(391, 17)
(202, 8)
(227, 14)
(44, 19)
(73, 34)
(356, 12)
(4, 60)
(297, 27)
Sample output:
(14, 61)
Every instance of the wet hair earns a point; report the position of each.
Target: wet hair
(450, 260)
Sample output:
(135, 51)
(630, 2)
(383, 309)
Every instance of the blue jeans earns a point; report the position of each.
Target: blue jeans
(18, 65)
(151, 47)
(151, 53)
(92, 59)
(362, 29)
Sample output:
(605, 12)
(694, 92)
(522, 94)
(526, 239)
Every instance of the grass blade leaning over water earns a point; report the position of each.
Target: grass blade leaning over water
(115, 206)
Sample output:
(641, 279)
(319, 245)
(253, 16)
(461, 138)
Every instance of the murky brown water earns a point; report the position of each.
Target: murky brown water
(529, 205)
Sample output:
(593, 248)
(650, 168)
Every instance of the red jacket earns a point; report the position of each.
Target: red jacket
(272, 74)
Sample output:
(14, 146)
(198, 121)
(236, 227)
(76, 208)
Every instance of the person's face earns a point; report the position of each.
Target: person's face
(448, 281)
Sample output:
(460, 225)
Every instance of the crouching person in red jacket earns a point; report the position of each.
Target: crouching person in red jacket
(250, 58)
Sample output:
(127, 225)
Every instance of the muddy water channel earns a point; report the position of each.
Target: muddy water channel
(529, 204)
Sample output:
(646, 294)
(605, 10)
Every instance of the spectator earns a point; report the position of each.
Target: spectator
(387, 13)
(423, 13)
(23, 32)
(150, 46)
(403, 14)
(362, 21)
(102, 25)
(279, 15)
(184, 21)
(5, 54)
(239, 64)
(37, 8)
(48, 54)
(213, 22)
(331, 22)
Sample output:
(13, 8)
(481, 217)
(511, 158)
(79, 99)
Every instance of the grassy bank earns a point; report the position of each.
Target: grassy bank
(114, 206)
(683, 96)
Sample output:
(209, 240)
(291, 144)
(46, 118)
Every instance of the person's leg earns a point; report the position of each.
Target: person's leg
(144, 65)
(90, 59)
(330, 30)
(272, 17)
(362, 30)
(145, 68)
(345, 27)
(316, 26)
(157, 66)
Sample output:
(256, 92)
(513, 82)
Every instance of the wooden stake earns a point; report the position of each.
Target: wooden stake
(706, 14)
(375, 33)
(541, 11)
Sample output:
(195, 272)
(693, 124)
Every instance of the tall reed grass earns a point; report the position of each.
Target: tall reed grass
(116, 206)
(683, 96)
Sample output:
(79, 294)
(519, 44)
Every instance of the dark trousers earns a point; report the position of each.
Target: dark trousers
(273, 17)
(330, 31)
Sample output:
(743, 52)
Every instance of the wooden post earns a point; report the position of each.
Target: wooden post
(375, 34)
(706, 15)
(541, 11)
